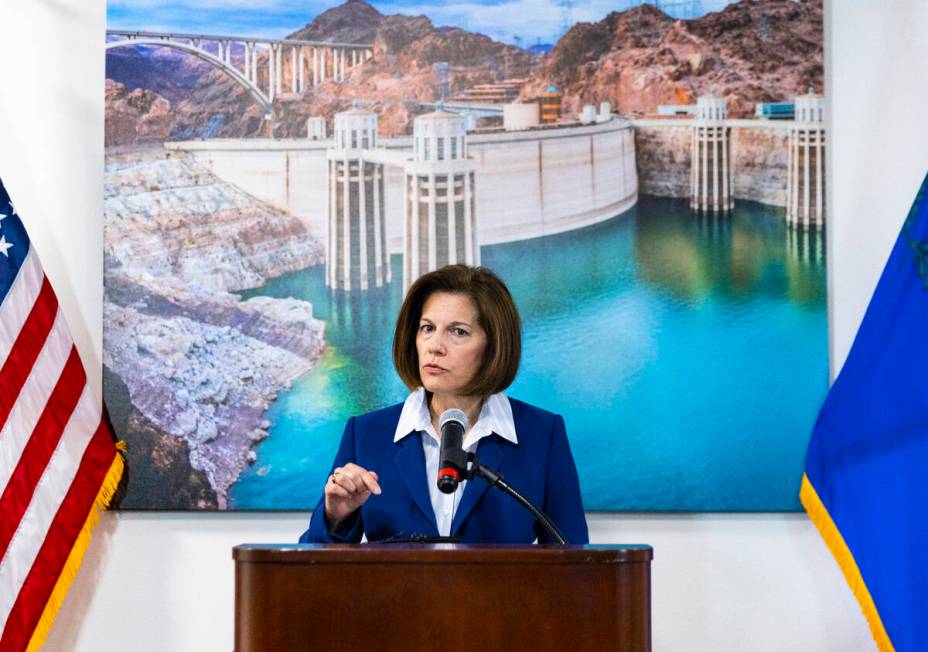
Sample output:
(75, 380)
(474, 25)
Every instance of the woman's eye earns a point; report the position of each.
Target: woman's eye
(460, 332)
(426, 328)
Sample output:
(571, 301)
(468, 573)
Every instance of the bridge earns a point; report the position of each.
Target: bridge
(475, 109)
(311, 62)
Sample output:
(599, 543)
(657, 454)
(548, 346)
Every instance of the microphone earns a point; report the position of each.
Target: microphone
(452, 461)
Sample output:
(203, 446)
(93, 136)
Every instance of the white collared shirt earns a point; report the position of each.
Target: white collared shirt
(495, 417)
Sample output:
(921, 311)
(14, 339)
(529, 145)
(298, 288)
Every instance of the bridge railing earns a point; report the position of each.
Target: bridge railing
(311, 62)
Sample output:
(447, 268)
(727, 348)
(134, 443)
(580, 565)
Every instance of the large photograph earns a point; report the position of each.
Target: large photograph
(647, 179)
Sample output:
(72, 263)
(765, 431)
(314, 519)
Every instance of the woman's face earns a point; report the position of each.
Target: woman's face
(450, 343)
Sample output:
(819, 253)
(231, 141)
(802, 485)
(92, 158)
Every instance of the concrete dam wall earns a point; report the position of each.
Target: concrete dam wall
(529, 183)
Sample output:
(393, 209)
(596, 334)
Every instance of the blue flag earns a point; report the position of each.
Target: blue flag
(866, 480)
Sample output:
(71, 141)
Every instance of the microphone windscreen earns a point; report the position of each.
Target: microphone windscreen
(452, 414)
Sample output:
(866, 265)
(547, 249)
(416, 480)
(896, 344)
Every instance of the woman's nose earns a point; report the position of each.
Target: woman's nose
(437, 345)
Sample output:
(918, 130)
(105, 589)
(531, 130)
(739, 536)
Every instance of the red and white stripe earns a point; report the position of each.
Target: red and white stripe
(55, 451)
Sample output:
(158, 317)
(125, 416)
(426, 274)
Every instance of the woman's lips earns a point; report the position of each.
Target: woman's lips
(433, 369)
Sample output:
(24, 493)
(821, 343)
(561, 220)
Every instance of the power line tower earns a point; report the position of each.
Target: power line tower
(442, 79)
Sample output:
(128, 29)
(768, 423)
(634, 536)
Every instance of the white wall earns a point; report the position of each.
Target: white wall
(878, 148)
(721, 582)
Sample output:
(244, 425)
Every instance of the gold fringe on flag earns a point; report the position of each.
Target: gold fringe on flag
(842, 554)
(73, 563)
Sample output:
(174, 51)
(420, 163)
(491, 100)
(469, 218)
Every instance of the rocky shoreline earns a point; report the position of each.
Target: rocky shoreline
(197, 365)
(759, 162)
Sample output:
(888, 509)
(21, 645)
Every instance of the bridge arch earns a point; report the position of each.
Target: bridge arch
(200, 53)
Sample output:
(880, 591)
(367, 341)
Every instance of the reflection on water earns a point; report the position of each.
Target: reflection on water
(805, 266)
(687, 353)
(732, 257)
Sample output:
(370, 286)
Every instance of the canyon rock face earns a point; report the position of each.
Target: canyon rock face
(760, 159)
(662, 155)
(193, 366)
(136, 117)
(170, 73)
(158, 473)
(172, 217)
(751, 51)
(759, 162)
(392, 83)
(354, 21)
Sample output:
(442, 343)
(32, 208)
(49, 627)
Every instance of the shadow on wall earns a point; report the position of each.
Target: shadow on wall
(73, 613)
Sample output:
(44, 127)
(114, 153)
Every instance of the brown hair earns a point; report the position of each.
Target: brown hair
(496, 314)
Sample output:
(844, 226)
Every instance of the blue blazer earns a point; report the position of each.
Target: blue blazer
(540, 467)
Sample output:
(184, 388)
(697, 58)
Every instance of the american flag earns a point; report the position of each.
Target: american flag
(58, 463)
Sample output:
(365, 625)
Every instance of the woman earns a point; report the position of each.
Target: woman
(457, 345)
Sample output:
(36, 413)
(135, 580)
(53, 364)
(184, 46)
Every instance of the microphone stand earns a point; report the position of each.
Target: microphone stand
(494, 479)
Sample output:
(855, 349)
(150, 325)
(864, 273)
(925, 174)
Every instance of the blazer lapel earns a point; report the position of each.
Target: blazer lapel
(490, 452)
(410, 460)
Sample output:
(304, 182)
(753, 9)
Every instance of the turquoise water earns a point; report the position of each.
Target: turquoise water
(688, 355)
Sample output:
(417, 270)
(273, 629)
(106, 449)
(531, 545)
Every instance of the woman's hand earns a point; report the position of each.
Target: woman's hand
(348, 488)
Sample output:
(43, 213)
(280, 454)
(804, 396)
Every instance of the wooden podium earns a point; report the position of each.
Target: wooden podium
(442, 597)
